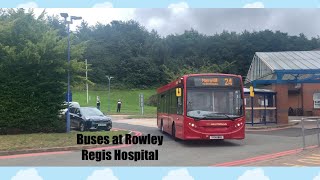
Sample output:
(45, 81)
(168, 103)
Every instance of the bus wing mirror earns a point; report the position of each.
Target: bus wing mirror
(178, 92)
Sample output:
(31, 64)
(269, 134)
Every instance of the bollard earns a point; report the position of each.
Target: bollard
(303, 138)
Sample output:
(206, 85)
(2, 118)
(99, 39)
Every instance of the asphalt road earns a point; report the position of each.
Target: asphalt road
(172, 153)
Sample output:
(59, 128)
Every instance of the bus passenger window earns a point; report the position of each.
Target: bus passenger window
(180, 103)
(180, 106)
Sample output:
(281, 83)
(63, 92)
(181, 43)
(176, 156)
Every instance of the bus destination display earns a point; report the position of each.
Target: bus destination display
(203, 81)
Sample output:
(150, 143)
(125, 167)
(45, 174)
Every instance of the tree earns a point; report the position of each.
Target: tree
(123, 48)
(33, 73)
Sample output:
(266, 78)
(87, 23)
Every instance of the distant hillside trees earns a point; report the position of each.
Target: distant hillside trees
(140, 58)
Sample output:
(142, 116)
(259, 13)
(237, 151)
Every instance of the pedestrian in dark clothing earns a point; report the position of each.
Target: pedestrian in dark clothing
(119, 106)
(98, 102)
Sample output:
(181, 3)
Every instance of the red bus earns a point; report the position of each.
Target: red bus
(202, 106)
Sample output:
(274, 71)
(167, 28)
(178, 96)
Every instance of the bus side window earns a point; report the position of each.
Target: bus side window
(180, 104)
(162, 103)
(173, 102)
(167, 103)
(158, 103)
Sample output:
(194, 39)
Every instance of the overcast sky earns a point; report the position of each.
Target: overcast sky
(178, 17)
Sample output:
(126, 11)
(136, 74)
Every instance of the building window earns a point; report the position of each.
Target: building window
(316, 100)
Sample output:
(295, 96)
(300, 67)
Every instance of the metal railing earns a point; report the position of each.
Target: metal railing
(303, 129)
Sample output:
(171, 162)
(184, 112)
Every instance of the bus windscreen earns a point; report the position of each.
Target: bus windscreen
(211, 97)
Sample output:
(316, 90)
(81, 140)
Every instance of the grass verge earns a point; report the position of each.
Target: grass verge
(129, 98)
(50, 140)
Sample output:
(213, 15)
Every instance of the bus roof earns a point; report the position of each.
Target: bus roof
(174, 84)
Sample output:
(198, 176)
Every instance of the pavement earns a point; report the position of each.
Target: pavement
(303, 158)
(149, 122)
(268, 147)
(60, 149)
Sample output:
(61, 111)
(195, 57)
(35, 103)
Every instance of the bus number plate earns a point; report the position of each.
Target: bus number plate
(216, 137)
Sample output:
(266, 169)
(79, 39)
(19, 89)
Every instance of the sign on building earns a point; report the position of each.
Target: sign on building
(316, 100)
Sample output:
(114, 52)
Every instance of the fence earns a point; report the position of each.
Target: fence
(303, 129)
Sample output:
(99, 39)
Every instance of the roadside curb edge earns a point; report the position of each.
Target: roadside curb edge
(272, 127)
(67, 148)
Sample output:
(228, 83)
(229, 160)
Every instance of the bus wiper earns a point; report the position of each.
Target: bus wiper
(226, 115)
(199, 118)
(229, 117)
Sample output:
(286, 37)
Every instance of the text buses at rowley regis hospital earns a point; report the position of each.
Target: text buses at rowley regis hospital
(202, 106)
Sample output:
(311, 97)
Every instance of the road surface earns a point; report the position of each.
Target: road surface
(180, 153)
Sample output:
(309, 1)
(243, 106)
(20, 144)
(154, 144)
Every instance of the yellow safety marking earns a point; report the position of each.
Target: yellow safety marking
(309, 161)
(295, 165)
(313, 157)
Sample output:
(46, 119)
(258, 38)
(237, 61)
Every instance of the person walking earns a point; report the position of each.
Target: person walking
(98, 102)
(119, 106)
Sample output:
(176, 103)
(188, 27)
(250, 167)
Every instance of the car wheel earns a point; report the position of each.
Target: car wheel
(109, 127)
(82, 128)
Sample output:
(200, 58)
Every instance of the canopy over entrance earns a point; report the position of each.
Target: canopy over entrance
(284, 67)
(294, 76)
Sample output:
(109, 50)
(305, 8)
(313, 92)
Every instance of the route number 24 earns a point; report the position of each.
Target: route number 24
(228, 81)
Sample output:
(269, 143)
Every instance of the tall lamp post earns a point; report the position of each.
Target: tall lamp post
(109, 78)
(65, 16)
(87, 81)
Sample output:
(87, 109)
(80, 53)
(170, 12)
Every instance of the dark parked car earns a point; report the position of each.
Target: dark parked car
(63, 112)
(89, 118)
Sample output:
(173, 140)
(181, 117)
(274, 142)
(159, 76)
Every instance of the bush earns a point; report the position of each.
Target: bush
(32, 75)
(152, 101)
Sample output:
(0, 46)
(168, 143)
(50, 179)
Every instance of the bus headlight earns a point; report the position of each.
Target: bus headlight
(192, 125)
(238, 125)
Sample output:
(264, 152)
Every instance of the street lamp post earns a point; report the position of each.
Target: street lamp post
(109, 78)
(65, 16)
(87, 81)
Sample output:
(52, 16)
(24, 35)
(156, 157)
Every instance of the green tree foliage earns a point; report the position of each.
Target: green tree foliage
(205, 68)
(33, 61)
(137, 57)
(123, 50)
(33, 70)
